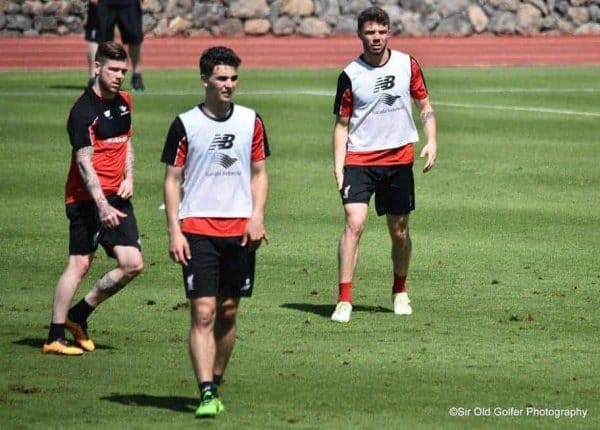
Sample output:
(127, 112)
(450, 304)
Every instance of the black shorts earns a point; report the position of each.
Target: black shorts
(86, 232)
(127, 17)
(394, 187)
(91, 22)
(219, 266)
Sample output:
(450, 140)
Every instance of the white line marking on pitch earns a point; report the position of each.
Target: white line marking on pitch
(516, 108)
(325, 93)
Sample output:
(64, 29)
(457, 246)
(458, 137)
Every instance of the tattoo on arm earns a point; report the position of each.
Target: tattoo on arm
(426, 116)
(130, 161)
(89, 175)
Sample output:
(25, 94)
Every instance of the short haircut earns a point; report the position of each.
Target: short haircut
(218, 56)
(110, 51)
(375, 14)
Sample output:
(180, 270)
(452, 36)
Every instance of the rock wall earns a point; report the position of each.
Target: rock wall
(316, 17)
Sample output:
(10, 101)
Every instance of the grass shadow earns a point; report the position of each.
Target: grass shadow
(173, 403)
(39, 342)
(327, 310)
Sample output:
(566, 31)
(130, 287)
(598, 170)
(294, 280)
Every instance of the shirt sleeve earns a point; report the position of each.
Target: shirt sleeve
(418, 87)
(80, 127)
(343, 97)
(260, 143)
(176, 145)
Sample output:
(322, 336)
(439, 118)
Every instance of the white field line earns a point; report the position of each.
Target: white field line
(517, 108)
(325, 93)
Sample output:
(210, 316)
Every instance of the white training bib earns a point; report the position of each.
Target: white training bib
(218, 164)
(382, 110)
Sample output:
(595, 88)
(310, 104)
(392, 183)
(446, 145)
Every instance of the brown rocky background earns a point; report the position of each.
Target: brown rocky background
(317, 18)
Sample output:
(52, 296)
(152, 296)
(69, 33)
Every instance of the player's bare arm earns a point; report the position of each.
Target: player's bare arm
(255, 231)
(109, 216)
(340, 140)
(428, 123)
(126, 187)
(179, 249)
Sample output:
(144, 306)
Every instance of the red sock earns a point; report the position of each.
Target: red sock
(399, 284)
(345, 292)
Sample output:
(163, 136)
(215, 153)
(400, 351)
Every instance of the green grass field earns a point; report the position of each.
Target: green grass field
(504, 280)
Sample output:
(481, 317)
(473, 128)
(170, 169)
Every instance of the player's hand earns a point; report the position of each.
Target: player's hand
(254, 234)
(179, 249)
(339, 179)
(126, 189)
(110, 216)
(429, 151)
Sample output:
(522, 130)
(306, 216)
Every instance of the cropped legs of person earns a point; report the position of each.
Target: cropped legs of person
(129, 265)
(401, 254)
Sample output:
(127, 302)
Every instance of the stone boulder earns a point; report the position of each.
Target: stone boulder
(314, 27)
(478, 18)
(249, 9)
(447, 8)
(503, 23)
(345, 25)
(579, 15)
(529, 20)
(152, 6)
(412, 24)
(18, 22)
(231, 27)
(591, 28)
(284, 26)
(178, 26)
(504, 5)
(257, 27)
(354, 7)
(32, 8)
(295, 7)
(456, 25)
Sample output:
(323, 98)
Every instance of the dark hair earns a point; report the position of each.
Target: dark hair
(110, 51)
(374, 13)
(218, 56)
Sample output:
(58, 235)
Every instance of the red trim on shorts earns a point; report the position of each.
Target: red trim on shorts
(218, 227)
(387, 157)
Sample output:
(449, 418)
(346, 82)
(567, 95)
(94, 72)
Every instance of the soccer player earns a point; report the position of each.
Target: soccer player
(91, 26)
(218, 150)
(373, 140)
(127, 15)
(97, 195)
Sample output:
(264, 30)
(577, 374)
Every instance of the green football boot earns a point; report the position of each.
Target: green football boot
(210, 406)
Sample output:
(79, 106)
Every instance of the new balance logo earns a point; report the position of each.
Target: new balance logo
(388, 99)
(247, 285)
(222, 141)
(346, 191)
(189, 282)
(224, 160)
(384, 83)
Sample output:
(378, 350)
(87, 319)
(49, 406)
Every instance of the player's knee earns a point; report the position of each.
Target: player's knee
(400, 236)
(227, 315)
(136, 269)
(203, 315)
(133, 267)
(354, 227)
(80, 265)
